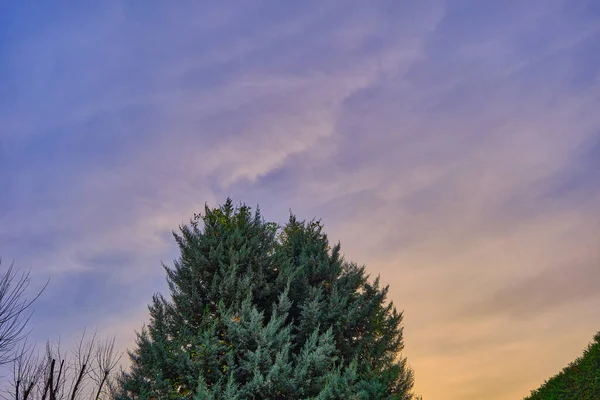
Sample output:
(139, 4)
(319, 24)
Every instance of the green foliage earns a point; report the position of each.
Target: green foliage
(258, 311)
(580, 380)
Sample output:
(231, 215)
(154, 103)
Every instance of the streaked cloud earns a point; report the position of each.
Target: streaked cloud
(452, 146)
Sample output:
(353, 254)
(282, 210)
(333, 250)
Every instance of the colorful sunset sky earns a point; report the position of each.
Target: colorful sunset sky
(453, 147)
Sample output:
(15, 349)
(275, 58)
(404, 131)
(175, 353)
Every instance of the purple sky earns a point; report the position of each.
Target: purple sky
(451, 146)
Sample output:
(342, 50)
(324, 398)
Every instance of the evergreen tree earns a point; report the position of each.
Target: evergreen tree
(262, 312)
(580, 380)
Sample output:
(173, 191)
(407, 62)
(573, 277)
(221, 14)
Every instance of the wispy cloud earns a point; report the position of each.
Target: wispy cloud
(450, 146)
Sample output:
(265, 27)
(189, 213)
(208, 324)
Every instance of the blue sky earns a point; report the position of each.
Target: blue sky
(451, 146)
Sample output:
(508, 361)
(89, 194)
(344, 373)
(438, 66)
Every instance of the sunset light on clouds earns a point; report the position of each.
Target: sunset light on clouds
(453, 147)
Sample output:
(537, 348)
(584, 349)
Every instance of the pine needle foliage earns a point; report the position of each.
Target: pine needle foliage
(580, 380)
(259, 311)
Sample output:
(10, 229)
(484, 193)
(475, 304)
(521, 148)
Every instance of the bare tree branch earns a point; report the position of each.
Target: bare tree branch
(106, 361)
(83, 355)
(86, 372)
(28, 372)
(14, 314)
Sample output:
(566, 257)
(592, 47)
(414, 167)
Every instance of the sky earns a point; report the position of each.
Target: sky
(453, 147)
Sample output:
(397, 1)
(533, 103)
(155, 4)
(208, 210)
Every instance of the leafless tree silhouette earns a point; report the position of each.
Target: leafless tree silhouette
(106, 362)
(14, 311)
(84, 373)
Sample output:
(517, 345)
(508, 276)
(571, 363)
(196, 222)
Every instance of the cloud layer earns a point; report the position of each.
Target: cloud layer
(452, 146)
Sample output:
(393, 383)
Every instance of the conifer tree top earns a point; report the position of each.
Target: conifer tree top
(262, 311)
